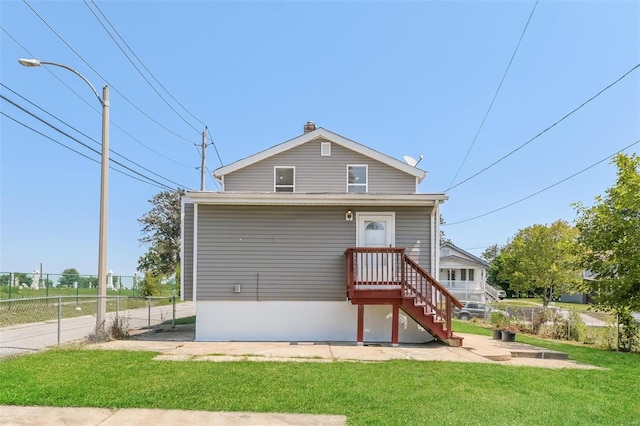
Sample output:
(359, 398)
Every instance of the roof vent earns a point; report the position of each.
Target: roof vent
(309, 127)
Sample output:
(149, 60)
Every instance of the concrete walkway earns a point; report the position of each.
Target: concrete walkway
(55, 416)
(178, 345)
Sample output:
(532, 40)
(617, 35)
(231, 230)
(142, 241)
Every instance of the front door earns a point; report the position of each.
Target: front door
(375, 230)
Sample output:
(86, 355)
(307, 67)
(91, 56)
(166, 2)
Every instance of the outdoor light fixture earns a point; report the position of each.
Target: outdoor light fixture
(104, 188)
(349, 216)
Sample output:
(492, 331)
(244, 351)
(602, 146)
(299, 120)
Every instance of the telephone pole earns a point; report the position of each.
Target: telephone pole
(204, 159)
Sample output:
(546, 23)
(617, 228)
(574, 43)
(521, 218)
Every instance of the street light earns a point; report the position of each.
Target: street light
(104, 188)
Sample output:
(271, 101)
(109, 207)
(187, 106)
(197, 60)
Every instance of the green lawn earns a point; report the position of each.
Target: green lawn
(393, 392)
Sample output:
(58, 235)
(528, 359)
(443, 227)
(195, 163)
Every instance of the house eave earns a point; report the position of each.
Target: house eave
(271, 198)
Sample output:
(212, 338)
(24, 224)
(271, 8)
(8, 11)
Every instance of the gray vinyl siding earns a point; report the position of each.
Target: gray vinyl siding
(288, 252)
(316, 173)
(187, 252)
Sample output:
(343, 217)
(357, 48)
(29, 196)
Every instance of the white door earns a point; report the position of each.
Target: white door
(375, 230)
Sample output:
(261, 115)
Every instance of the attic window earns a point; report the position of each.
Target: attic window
(357, 178)
(284, 179)
(325, 149)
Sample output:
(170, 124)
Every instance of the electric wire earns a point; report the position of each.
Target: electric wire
(79, 141)
(495, 95)
(545, 130)
(80, 153)
(149, 72)
(136, 67)
(103, 78)
(143, 65)
(94, 108)
(90, 138)
(545, 188)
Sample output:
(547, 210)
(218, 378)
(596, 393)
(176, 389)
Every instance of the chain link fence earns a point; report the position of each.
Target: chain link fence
(32, 324)
(16, 285)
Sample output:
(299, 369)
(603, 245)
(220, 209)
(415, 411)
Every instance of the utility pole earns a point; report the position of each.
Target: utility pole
(204, 159)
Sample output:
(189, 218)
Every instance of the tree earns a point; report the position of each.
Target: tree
(68, 277)
(491, 253)
(443, 237)
(543, 260)
(610, 236)
(161, 229)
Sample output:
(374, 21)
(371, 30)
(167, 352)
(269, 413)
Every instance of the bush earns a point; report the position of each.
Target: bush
(150, 285)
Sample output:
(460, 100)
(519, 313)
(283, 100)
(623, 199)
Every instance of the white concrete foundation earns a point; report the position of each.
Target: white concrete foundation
(220, 321)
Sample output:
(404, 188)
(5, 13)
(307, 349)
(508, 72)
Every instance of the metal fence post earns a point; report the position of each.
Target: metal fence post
(149, 315)
(59, 317)
(10, 284)
(173, 323)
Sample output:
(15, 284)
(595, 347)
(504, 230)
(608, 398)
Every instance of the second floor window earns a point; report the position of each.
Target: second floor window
(284, 179)
(357, 178)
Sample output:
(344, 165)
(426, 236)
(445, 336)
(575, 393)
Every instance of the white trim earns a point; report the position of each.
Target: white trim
(330, 136)
(435, 251)
(325, 149)
(183, 202)
(195, 251)
(292, 198)
(366, 178)
(275, 184)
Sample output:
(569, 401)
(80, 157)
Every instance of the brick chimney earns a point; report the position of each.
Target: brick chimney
(309, 127)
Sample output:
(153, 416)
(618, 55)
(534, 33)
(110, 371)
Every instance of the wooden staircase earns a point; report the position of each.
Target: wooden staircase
(388, 276)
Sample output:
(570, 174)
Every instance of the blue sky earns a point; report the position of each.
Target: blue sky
(405, 78)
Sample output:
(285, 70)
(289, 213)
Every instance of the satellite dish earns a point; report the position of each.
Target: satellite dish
(412, 161)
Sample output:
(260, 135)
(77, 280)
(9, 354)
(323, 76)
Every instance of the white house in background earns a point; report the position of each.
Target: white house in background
(465, 275)
(318, 238)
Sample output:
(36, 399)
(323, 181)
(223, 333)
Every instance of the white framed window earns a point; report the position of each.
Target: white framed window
(325, 149)
(284, 178)
(357, 178)
(463, 274)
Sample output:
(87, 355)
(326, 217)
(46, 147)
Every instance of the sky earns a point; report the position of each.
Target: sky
(460, 82)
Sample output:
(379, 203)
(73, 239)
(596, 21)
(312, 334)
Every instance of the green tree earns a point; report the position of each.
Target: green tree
(542, 260)
(610, 236)
(491, 253)
(161, 230)
(68, 277)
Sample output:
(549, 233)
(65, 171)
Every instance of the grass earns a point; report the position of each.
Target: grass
(391, 392)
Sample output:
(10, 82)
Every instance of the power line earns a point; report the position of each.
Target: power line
(495, 94)
(545, 130)
(85, 135)
(132, 63)
(148, 71)
(80, 153)
(93, 107)
(544, 189)
(102, 77)
(214, 146)
(80, 142)
(143, 65)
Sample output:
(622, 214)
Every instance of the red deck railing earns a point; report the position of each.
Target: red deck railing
(371, 269)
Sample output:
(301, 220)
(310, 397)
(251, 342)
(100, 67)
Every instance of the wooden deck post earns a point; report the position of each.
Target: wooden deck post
(395, 324)
(360, 325)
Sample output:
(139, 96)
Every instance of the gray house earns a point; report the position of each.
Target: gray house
(318, 238)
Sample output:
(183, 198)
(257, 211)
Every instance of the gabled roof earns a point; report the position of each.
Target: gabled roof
(329, 136)
(466, 254)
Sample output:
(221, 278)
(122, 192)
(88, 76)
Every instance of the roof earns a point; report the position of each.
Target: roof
(463, 252)
(292, 198)
(329, 136)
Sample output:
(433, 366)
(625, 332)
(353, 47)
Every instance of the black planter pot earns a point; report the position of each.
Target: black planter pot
(508, 336)
(496, 334)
